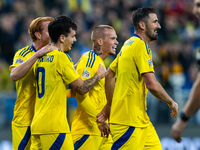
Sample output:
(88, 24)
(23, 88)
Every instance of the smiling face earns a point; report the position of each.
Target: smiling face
(109, 42)
(69, 40)
(196, 8)
(152, 27)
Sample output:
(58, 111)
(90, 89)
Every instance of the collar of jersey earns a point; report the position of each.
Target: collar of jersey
(33, 48)
(96, 52)
(137, 35)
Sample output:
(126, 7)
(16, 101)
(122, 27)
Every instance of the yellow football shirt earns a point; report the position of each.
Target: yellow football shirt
(53, 72)
(129, 98)
(84, 123)
(24, 105)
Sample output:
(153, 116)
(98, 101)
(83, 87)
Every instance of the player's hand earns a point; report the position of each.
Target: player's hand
(101, 72)
(104, 114)
(177, 129)
(44, 50)
(174, 107)
(105, 129)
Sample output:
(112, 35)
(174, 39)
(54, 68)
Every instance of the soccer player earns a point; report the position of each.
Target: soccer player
(193, 103)
(129, 123)
(22, 73)
(54, 72)
(85, 132)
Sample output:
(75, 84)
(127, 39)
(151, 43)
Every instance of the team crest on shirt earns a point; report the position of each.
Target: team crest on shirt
(19, 61)
(86, 74)
(150, 62)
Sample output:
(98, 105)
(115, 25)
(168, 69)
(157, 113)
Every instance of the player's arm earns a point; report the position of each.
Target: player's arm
(109, 89)
(83, 86)
(193, 103)
(191, 107)
(21, 70)
(158, 91)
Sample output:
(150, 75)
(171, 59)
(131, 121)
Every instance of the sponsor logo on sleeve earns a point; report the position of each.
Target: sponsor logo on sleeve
(150, 62)
(86, 74)
(19, 61)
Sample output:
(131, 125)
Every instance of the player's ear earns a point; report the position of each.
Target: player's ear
(62, 38)
(37, 35)
(142, 25)
(99, 41)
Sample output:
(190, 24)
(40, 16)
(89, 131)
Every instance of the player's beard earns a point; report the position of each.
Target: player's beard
(151, 35)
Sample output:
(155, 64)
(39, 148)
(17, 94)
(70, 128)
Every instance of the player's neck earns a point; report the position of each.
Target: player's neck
(58, 45)
(143, 36)
(38, 45)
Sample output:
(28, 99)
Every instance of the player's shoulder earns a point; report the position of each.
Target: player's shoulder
(23, 52)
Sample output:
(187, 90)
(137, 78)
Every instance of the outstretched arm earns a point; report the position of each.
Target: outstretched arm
(21, 70)
(158, 91)
(191, 107)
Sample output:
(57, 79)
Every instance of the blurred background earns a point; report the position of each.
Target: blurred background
(173, 53)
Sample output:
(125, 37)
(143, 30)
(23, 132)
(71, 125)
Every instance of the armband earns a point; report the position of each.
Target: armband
(183, 117)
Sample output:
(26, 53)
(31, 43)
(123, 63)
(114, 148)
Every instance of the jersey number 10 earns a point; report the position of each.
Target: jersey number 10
(40, 79)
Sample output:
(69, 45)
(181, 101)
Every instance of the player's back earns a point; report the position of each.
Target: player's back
(53, 76)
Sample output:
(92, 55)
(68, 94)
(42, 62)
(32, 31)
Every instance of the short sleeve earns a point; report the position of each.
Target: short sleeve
(66, 69)
(143, 57)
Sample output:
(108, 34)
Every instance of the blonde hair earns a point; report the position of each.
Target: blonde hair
(36, 26)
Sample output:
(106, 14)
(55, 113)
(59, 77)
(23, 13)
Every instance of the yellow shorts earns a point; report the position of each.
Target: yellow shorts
(21, 137)
(60, 141)
(131, 138)
(86, 142)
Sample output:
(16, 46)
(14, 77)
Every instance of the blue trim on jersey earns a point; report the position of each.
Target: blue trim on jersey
(80, 142)
(91, 59)
(25, 140)
(33, 48)
(88, 58)
(92, 56)
(70, 59)
(28, 51)
(24, 51)
(137, 35)
(123, 139)
(58, 142)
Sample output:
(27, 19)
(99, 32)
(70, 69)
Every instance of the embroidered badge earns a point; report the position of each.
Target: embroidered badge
(86, 74)
(19, 60)
(150, 62)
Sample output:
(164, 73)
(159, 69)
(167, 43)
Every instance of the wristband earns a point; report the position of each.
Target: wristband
(183, 117)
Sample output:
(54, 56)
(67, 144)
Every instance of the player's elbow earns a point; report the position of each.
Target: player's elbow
(151, 87)
(13, 76)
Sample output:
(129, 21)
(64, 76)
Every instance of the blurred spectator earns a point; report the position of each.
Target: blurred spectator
(6, 83)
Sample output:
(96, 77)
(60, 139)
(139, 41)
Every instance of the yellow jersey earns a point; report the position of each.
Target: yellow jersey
(83, 123)
(53, 72)
(129, 99)
(24, 105)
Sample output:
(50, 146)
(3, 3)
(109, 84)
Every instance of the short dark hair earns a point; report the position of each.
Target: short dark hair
(141, 14)
(98, 32)
(60, 25)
